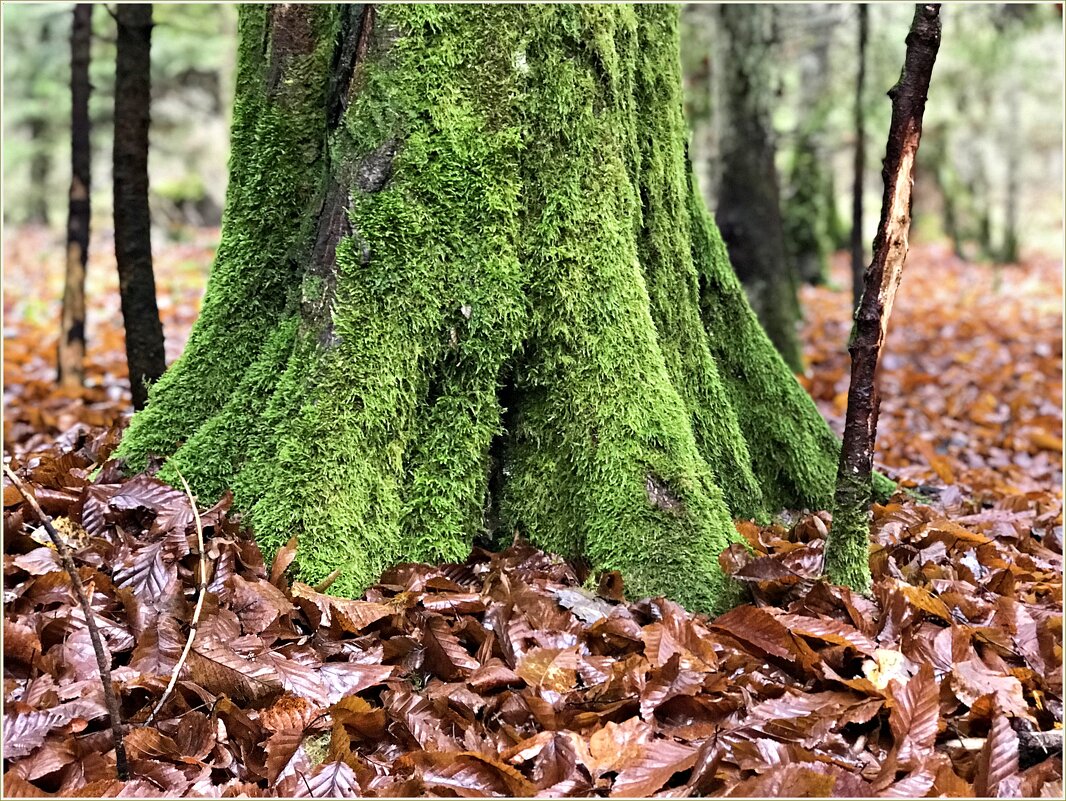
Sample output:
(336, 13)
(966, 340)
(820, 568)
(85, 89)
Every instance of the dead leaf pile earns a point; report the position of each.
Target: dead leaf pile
(504, 676)
(36, 411)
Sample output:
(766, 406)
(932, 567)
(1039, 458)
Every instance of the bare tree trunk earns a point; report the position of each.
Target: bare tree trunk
(71, 356)
(133, 244)
(858, 256)
(847, 549)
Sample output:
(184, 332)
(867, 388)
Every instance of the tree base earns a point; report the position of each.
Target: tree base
(511, 312)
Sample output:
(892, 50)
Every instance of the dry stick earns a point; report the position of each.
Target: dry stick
(202, 590)
(847, 549)
(103, 659)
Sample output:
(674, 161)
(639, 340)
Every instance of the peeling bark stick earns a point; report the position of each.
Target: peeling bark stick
(847, 551)
(201, 592)
(857, 269)
(103, 658)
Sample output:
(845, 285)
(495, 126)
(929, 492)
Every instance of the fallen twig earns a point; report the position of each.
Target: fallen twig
(103, 658)
(327, 582)
(201, 592)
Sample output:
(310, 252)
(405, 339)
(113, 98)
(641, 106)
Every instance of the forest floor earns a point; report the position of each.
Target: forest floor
(502, 676)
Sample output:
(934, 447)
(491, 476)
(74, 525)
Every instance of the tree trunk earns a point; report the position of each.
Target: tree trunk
(1008, 254)
(810, 215)
(858, 255)
(749, 206)
(40, 170)
(71, 356)
(465, 281)
(133, 241)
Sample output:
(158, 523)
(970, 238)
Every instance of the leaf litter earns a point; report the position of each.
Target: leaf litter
(508, 675)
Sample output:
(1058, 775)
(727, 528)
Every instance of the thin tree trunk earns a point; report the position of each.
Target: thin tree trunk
(133, 245)
(847, 550)
(749, 203)
(858, 257)
(40, 169)
(71, 356)
(1009, 252)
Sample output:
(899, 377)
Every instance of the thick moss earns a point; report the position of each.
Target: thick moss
(522, 277)
(276, 168)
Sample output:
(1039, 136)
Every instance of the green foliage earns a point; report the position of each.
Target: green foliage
(537, 278)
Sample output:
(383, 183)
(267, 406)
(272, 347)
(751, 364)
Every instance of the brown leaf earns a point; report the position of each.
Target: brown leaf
(470, 775)
(223, 671)
(459, 603)
(445, 656)
(145, 492)
(280, 748)
(351, 616)
(491, 677)
(829, 630)
(148, 571)
(17, 787)
(146, 742)
(659, 760)
(329, 780)
(38, 561)
(759, 628)
(282, 559)
(23, 733)
(972, 679)
(914, 718)
(998, 760)
(257, 603)
(551, 668)
(794, 780)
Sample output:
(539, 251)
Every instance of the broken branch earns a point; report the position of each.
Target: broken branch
(103, 658)
(847, 549)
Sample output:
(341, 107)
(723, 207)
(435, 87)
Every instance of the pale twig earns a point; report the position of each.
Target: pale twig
(103, 658)
(202, 590)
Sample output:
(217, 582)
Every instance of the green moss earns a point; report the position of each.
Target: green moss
(847, 552)
(536, 246)
(276, 169)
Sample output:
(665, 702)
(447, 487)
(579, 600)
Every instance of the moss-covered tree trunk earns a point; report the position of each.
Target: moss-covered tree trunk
(812, 225)
(748, 197)
(466, 282)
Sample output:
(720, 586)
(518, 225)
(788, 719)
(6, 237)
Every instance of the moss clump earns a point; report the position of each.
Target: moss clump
(848, 551)
(523, 318)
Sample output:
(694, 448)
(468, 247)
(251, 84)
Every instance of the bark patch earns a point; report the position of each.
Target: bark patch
(375, 168)
(660, 496)
(290, 37)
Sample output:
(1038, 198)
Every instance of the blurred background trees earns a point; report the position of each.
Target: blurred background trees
(192, 78)
(990, 167)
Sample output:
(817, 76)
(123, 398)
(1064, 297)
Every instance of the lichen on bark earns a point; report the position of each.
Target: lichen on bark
(527, 321)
